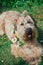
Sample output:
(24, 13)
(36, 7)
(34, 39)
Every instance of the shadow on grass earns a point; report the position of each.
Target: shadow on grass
(40, 36)
(40, 40)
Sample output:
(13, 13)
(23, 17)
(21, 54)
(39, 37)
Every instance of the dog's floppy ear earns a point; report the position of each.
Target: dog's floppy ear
(24, 13)
(15, 24)
(15, 27)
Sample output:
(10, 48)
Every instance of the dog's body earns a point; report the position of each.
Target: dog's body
(25, 28)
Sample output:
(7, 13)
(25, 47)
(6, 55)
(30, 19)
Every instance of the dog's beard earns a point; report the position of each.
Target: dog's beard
(27, 37)
(30, 37)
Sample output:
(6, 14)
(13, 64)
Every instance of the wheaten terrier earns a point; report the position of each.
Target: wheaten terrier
(26, 32)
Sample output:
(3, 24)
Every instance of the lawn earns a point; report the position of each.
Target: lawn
(34, 8)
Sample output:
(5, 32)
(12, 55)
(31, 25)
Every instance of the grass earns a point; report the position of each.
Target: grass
(35, 8)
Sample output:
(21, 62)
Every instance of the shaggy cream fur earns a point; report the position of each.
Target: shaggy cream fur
(11, 20)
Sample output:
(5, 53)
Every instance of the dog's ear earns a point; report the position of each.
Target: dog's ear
(33, 19)
(24, 13)
(15, 24)
(15, 27)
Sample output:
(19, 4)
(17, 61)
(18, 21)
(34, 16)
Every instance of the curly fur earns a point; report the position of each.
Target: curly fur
(31, 51)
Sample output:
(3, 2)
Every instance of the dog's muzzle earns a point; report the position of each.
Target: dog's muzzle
(28, 33)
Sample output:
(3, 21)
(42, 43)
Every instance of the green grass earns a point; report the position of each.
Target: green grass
(34, 7)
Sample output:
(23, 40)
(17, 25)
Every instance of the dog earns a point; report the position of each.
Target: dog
(25, 28)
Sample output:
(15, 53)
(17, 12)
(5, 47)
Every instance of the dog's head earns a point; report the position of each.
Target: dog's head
(26, 29)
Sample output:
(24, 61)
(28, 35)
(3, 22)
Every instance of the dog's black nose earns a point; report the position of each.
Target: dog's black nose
(28, 31)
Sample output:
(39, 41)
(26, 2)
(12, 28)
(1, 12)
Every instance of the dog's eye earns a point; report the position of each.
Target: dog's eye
(22, 24)
(28, 22)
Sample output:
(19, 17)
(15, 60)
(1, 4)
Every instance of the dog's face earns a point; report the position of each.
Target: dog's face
(26, 29)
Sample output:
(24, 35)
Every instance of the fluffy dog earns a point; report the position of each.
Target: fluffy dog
(24, 25)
